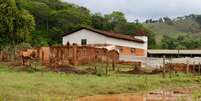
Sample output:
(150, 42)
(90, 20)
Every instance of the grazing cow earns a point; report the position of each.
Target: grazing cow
(26, 55)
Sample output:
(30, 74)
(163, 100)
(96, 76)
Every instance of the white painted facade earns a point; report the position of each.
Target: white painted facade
(96, 38)
(92, 38)
(145, 45)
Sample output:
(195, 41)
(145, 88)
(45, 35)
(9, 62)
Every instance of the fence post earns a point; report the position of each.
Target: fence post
(194, 68)
(194, 72)
(95, 69)
(0, 56)
(75, 54)
(113, 65)
(118, 68)
(164, 67)
(171, 68)
(106, 68)
(187, 68)
(199, 68)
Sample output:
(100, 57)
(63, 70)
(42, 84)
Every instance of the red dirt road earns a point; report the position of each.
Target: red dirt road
(152, 96)
(112, 98)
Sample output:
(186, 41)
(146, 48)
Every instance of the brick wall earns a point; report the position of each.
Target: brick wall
(127, 51)
(181, 67)
(4, 56)
(43, 54)
(74, 55)
(131, 51)
(139, 52)
(1, 56)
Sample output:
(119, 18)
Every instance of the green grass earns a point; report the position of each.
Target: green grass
(49, 86)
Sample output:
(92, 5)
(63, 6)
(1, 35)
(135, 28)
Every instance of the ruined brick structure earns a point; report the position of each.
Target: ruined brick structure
(75, 55)
(1, 56)
(181, 67)
(4, 56)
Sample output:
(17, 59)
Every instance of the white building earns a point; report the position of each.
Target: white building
(125, 44)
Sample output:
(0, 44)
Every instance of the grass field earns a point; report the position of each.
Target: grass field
(37, 86)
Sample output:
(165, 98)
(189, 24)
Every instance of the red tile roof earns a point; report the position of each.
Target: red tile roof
(110, 34)
(141, 32)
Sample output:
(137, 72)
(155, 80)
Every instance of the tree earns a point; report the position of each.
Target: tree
(151, 36)
(7, 18)
(115, 18)
(180, 42)
(168, 42)
(149, 21)
(54, 18)
(168, 20)
(198, 19)
(136, 21)
(16, 24)
(100, 22)
(25, 24)
(161, 20)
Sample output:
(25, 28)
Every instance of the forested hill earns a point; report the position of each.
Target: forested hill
(42, 22)
(181, 32)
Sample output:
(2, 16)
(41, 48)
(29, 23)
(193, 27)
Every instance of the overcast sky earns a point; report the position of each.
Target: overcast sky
(142, 9)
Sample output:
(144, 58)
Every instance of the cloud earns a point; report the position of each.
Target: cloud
(142, 9)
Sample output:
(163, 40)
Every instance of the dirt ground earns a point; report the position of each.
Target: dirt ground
(175, 95)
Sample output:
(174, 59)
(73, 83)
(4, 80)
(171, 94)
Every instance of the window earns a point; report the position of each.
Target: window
(132, 50)
(84, 41)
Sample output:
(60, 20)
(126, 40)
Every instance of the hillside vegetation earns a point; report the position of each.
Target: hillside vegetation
(184, 27)
(188, 27)
(42, 22)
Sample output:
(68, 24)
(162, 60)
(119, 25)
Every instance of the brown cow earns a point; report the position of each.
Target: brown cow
(26, 55)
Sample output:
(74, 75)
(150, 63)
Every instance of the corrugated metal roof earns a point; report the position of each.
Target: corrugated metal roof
(189, 51)
(152, 51)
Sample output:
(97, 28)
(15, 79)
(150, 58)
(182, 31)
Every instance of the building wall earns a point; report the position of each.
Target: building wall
(140, 52)
(125, 43)
(126, 51)
(95, 38)
(92, 38)
(145, 39)
(131, 51)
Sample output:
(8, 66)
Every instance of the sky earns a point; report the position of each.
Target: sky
(142, 9)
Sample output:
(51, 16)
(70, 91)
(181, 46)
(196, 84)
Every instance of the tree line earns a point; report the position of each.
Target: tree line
(181, 42)
(42, 22)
